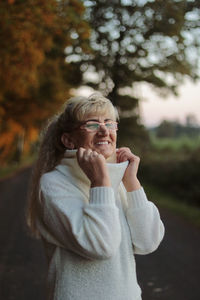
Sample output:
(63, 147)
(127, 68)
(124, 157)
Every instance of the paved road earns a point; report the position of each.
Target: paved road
(170, 273)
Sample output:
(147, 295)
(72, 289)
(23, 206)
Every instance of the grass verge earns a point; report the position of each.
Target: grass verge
(189, 212)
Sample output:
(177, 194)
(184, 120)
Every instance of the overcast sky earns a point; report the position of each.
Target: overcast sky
(154, 109)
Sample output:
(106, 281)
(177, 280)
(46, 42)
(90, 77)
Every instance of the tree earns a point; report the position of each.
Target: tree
(167, 129)
(173, 129)
(138, 41)
(35, 78)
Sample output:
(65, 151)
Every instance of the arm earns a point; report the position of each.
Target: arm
(90, 230)
(146, 227)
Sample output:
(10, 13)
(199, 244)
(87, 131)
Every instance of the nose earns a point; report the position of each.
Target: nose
(103, 129)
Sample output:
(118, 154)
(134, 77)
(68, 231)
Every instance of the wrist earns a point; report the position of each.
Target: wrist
(133, 185)
(103, 182)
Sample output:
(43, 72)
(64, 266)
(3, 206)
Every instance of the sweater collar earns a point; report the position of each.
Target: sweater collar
(69, 161)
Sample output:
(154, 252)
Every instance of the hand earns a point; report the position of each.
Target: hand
(94, 166)
(130, 179)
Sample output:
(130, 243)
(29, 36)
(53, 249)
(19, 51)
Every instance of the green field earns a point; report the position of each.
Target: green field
(183, 143)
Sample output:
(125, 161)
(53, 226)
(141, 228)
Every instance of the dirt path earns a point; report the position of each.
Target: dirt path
(170, 273)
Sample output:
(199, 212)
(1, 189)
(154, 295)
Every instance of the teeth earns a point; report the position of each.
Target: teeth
(102, 143)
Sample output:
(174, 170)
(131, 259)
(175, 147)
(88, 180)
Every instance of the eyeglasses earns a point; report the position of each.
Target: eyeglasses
(92, 126)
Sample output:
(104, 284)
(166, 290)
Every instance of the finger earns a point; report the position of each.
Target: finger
(86, 154)
(94, 154)
(119, 157)
(124, 155)
(97, 157)
(137, 159)
(122, 150)
(119, 150)
(79, 153)
(134, 163)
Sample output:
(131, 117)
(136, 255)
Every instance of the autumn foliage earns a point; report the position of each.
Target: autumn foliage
(34, 75)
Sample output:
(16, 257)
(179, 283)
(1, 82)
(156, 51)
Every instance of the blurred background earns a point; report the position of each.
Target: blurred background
(144, 55)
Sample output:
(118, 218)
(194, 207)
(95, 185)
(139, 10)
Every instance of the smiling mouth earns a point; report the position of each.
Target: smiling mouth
(102, 143)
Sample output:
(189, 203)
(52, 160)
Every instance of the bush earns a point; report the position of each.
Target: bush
(177, 174)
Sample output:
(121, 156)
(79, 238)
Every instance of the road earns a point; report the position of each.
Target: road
(170, 273)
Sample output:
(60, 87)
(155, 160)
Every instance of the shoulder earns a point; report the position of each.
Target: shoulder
(53, 181)
(56, 188)
(49, 178)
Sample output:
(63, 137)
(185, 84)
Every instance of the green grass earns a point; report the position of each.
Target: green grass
(176, 144)
(160, 198)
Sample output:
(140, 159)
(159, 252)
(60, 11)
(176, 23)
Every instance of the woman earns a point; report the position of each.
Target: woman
(88, 206)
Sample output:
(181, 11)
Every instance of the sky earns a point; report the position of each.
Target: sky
(154, 109)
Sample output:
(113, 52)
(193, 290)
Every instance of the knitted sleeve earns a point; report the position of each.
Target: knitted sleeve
(146, 227)
(90, 230)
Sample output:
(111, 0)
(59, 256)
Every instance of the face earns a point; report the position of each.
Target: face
(102, 141)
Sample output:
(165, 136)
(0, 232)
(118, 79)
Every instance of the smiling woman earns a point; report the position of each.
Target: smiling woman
(88, 206)
(97, 133)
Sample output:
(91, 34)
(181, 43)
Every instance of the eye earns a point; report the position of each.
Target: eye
(92, 126)
(111, 125)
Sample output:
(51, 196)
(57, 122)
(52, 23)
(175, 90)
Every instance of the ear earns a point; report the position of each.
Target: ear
(67, 141)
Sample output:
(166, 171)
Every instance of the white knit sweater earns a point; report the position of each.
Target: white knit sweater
(91, 234)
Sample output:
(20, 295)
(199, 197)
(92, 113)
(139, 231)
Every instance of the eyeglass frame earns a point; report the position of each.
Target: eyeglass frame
(100, 124)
